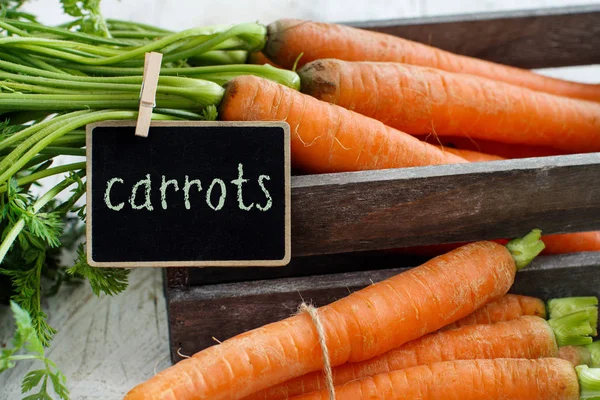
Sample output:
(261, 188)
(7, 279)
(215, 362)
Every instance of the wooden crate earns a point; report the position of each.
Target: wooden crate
(340, 222)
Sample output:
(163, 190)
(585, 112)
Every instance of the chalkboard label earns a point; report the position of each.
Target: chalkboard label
(190, 194)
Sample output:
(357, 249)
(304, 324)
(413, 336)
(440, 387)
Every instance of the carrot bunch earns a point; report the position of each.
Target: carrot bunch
(511, 327)
(472, 109)
(363, 325)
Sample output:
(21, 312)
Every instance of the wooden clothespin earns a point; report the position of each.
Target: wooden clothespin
(152, 64)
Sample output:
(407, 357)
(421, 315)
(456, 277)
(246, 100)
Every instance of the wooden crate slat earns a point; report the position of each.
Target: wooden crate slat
(552, 37)
(339, 220)
(303, 266)
(370, 210)
(225, 310)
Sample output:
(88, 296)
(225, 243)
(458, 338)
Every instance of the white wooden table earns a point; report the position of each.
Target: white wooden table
(107, 345)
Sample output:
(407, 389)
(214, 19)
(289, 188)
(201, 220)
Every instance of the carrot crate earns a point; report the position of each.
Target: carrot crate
(344, 224)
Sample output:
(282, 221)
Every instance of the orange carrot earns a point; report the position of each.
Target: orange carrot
(420, 100)
(363, 325)
(471, 155)
(288, 38)
(576, 355)
(259, 58)
(582, 355)
(510, 379)
(572, 242)
(561, 243)
(525, 337)
(490, 147)
(506, 308)
(325, 137)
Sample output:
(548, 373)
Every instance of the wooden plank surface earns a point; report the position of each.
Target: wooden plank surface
(341, 220)
(543, 38)
(104, 345)
(198, 314)
(370, 210)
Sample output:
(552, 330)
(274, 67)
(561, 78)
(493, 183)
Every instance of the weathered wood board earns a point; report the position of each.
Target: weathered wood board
(383, 209)
(361, 212)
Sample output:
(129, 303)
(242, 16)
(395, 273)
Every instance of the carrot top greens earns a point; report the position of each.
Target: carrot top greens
(54, 80)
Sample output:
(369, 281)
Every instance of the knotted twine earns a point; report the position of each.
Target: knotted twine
(314, 315)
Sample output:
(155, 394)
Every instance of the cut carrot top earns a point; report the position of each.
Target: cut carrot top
(576, 328)
(525, 249)
(589, 382)
(594, 349)
(564, 306)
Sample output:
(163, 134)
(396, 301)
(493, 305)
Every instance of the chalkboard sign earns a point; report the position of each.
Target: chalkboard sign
(190, 194)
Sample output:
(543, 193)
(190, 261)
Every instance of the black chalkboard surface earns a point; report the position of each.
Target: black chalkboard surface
(190, 194)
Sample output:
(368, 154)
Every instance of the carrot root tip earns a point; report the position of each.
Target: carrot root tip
(525, 249)
(589, 382)
(575, 329)
(594, 349)
(568, 305)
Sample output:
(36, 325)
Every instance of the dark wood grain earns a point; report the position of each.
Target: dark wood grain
(362, 212)
(371, 210)
(552, 37)
(198, 314)
(305, 266)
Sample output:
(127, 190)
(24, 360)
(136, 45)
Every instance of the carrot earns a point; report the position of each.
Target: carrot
(420, 100)
(525, 337)
(489, 147)
(572, 242)
(509, 379)
(582, 355)
(363, 325)
(471, 155)
(288, 38)
(561, 243)
(259, 58)
(506, 308)
(324, 137)
(513, 306)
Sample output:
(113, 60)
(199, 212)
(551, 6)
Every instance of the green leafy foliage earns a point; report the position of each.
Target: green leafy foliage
(26, 339)
(110, 281)
(210, 113)
(90, 19)
(11, 4)
(40, 232)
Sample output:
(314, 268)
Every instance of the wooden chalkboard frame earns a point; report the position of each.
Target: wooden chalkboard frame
(194, 263)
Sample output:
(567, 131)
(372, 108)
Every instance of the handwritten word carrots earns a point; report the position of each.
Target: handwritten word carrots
(363, 325)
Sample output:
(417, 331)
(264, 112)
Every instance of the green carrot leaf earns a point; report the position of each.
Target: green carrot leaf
(210, 113)
(32, 379)
(110, 281)
(6, 5)
(26, 339)
(91, 19)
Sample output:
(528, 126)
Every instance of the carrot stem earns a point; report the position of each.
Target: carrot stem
(589, 382)
(568, 305)
(574, 329)
(525, 249)
(594, 350)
